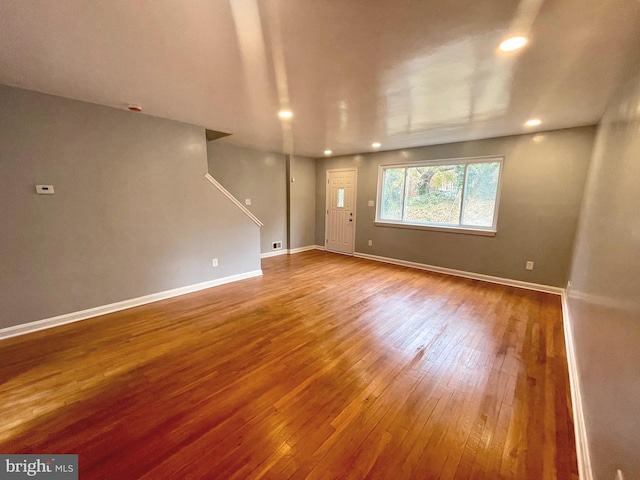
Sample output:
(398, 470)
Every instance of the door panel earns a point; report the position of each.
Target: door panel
(341, 215)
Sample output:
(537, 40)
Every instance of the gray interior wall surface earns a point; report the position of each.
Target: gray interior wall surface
(604, 297)
(542, 184)
(256, 175)
(302, 203)
(132, 213)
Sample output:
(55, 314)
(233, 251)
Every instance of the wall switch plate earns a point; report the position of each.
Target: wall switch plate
(371, 243)
(247, 201)
(293, 179)
(529, 265)
(214, 262)
(44, 189)
(371, 203)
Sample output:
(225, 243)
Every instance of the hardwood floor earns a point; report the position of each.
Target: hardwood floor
(326, 367)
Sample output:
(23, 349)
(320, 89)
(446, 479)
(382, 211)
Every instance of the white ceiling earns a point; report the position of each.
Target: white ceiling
(400, 72)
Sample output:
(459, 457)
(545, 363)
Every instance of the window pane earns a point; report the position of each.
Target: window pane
(340, 197)
(392, 193)
(434, 194)
(480, 194)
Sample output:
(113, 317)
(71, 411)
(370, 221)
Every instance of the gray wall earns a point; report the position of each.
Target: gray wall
(302, 201)
(260, 176)
(542, 185)
(132, 213)
(604, 298)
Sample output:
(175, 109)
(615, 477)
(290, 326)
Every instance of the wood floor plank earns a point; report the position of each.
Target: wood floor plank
(326, 367)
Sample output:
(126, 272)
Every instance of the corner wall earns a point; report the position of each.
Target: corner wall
(132, 213)
(256, 175)
(542, 184)
(301, 201)
(604, 297)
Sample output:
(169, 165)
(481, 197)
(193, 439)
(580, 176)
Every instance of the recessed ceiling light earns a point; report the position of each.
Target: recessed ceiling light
(328, 152)
(285, 114)
(376, 145)
(513, 43)
(534, 122)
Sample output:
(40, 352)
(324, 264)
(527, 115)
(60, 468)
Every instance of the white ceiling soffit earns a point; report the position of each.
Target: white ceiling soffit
(402, 73)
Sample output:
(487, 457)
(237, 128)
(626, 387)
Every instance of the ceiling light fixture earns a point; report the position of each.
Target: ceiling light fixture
(513, 43)
(328, 152)
(376, 145)
(534, 122)
(285, 114)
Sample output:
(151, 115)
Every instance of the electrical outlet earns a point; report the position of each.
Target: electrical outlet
(276, 245)
(371, 243)
(247, 201)
(214, 262)
(529, 265)
(371, 203)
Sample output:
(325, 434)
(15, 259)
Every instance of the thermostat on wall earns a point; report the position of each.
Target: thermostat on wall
(44, 189)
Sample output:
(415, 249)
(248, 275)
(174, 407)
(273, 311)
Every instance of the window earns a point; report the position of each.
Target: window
(456, 195)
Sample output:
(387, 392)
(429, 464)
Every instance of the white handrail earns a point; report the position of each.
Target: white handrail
(226, 193)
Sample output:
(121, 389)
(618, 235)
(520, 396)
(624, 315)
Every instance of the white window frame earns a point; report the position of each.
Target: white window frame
(441, 227)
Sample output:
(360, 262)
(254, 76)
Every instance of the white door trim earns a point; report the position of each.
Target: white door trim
(355, 204)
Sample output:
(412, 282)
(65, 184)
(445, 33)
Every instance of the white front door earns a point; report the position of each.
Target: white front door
(340, 224)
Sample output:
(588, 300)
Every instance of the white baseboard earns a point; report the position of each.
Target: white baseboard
(302, 249)
(461, 273)
(291, 251)
(275, 253)
(114, 307)
(580, 428)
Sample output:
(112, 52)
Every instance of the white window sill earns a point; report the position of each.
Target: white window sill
(437, 228)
